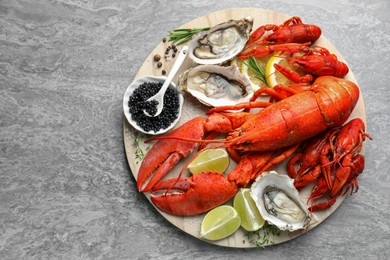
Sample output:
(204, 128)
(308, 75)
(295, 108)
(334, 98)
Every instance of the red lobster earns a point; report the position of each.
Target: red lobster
(282, 125)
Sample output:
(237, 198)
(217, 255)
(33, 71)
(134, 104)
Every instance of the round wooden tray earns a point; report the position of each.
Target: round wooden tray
(133, 140)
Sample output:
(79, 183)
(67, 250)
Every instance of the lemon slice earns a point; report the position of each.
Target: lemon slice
(250, 74)
(220, 223)
(251, 220)
(210, 160)
(273, 76)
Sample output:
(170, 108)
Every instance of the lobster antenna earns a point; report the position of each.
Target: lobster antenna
(186, 139)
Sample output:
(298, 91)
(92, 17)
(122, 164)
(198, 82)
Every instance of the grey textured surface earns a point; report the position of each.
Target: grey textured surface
(66, 190)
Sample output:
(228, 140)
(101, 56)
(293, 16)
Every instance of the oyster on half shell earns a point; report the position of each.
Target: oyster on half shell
(279, 202)
(221, 43)
(215, 85)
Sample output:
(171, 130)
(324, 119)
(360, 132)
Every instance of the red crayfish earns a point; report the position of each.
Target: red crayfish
(333, 160)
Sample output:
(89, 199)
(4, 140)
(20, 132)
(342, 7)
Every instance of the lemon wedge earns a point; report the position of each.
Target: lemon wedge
(251, 220)
(220, 223)
(210, 160)
(273, 76)
(250, 74)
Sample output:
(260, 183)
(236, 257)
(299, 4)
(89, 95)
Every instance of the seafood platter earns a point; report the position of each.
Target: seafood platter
(273, 93)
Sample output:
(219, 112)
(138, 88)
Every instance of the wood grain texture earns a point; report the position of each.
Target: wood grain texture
(192, 108)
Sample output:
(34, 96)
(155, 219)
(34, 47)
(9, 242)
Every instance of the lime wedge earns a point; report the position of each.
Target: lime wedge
(210, 160)
(220, 223)
(251, 220)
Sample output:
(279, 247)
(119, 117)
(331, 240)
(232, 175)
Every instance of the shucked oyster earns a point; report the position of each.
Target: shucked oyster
(215, 85)
(279, 202)
(221, 43)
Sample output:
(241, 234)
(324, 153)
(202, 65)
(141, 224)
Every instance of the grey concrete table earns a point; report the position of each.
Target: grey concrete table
(66, 189)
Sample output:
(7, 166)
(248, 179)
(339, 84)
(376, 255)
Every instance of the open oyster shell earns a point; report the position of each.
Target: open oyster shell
(215, 85)
(221, 43)
(279, 202)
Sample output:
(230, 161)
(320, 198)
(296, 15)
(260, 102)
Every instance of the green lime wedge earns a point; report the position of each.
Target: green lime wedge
(251, 220)
(210, 160)
(220, 223)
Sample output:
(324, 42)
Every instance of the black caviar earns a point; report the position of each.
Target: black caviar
(137, 103)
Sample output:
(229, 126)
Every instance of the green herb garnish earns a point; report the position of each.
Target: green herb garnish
(262, 237)
(255, 67)
(139, 153)
(180, 36)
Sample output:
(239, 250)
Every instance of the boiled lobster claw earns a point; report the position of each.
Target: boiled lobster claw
(193, 195)
(202, 192)
(166, 153)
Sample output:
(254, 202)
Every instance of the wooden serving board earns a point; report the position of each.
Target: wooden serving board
(193, 108)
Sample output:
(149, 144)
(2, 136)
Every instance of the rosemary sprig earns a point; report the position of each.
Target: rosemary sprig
(180, 36)
(263, 236)
(255, 67)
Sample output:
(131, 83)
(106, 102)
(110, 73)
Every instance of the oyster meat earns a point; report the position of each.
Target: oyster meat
(215, 85)
(279, 202)
(221, 43)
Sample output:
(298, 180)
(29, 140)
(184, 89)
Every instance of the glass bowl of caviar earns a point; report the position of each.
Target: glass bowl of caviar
(134, 102)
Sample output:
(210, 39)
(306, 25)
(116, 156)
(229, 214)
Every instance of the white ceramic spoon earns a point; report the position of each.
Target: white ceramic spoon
(159, 97)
